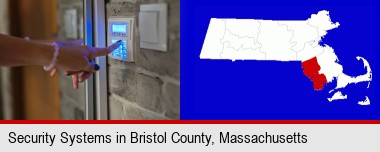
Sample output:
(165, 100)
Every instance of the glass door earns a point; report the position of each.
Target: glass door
(96, 86)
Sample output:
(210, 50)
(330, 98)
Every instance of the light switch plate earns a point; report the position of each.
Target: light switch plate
(70, 23)
(151, 29)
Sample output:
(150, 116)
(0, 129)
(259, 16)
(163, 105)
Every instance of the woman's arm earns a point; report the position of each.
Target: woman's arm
(73, 58)
(18, 52)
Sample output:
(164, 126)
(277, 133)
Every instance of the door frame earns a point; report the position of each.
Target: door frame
(96, 106)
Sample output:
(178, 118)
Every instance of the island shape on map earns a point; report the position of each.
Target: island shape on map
(284, 41)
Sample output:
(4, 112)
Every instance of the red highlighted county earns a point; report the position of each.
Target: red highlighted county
(311, 69)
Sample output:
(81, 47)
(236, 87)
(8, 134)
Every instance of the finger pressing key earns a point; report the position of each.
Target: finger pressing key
(107, 50)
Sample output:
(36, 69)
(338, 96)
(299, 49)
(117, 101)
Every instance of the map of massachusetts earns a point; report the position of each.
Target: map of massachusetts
(284, 41)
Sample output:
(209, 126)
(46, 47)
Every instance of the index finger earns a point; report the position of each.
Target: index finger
(107, 50)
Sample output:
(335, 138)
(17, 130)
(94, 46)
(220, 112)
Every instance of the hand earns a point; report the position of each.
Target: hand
(77, 59)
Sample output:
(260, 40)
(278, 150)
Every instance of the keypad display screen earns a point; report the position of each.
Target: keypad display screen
(119, 28)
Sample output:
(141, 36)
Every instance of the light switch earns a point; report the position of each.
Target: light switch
(153, 27)
(70, 23)
(149, 27)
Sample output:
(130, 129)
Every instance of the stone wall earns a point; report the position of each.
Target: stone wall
(149, 88)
